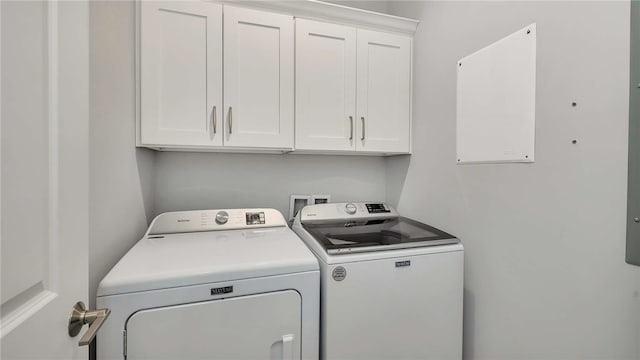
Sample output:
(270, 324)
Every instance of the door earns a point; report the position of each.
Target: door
(258, 78)
(181, 73)
(264, 326)
(325, 86)
(44, 183)
(384, 92)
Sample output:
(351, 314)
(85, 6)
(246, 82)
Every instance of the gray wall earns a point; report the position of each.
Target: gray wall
(187, 181)
(545, 274)
(121, 176)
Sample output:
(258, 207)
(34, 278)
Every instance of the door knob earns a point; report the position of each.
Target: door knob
(80, 316)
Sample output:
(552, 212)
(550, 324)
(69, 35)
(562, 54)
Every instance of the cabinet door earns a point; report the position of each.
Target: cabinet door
(325, 86)
(180, 73)
(258, 78)
(384, 92)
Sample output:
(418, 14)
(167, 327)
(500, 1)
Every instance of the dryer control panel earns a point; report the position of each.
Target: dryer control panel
(211, 220)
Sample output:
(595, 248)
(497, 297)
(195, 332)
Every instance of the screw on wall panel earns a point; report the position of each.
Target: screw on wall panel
(458, 160)
(528, 31)
(526, 156)
(574, 104)
(574, 141)
(459, 64)
(636, 219)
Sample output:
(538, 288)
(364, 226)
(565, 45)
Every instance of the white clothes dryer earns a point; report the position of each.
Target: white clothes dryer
(391, 287)
(212, 284)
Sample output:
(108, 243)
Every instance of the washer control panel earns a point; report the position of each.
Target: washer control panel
(210, 220)
(351, 210)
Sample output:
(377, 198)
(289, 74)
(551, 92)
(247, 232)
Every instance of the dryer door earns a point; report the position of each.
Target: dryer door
(263, 326)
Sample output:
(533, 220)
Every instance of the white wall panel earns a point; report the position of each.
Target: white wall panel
(496, 101)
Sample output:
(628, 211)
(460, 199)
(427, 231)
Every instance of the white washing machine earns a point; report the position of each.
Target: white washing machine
(213, 284)
(391, 287)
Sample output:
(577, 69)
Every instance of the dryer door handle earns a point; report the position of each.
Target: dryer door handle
(287, 346)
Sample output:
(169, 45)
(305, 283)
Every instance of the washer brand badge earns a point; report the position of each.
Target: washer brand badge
(403, 263)
(222, 290)
(339, 273)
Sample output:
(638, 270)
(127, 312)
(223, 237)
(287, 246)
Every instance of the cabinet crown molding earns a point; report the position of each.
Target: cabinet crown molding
(319, 10)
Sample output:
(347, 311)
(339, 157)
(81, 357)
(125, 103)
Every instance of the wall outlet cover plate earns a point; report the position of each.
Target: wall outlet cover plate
(320, 199)
(296, 203)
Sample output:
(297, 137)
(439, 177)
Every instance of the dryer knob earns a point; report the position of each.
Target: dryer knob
(350, 208)
(222, 217)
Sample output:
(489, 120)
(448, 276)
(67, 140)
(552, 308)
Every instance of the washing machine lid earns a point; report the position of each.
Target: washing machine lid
(160, 261)
(363, 227)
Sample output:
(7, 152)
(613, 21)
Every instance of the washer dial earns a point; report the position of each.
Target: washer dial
(350, 208)
(222, 217)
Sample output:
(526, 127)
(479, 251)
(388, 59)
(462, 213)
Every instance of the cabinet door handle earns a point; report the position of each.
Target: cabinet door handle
(351, 131)
(230, 120)
(214, 120)
(362, 118)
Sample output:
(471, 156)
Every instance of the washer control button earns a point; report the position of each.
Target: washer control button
(350, 208)
(222, 217)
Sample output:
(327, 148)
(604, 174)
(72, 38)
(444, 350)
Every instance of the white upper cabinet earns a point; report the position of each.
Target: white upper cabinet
(384, 92)
(224, 77)
(325, 86)
(339, 67)
(180, 73)
(258, 78)
(181, 76)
